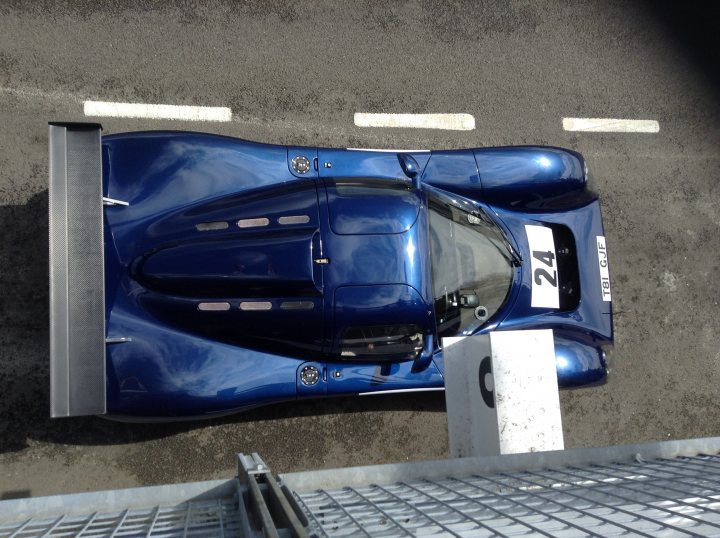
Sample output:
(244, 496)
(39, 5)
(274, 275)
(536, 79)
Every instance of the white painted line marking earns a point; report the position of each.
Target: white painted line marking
(610, 125)
(450, 122)
(157, 112)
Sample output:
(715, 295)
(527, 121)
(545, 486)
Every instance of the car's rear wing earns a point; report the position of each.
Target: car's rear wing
(77, 302)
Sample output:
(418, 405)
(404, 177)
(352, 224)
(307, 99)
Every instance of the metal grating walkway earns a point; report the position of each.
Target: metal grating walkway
(651, 490)
(219, 517)
(251, 505)
(660, 497)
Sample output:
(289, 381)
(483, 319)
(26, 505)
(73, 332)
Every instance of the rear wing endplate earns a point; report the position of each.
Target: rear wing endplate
(77, 302)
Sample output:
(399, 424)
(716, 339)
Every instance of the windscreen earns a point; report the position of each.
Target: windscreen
(471, 266)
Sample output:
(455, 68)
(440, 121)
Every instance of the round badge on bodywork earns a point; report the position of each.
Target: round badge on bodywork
(309, 376)
(301, 164)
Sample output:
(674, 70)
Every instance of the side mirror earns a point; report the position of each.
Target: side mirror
(410, 167)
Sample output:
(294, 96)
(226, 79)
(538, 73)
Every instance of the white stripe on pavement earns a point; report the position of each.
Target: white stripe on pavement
(451, 122)
(610, 125)
(168, 112)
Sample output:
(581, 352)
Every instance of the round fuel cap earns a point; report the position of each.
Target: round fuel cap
(301, 164)
(309, 376)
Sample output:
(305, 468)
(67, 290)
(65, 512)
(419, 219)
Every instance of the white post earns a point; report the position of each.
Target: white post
(502, 394)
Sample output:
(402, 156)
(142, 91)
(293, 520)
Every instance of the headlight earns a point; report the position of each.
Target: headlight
(607, 357)
(589, 183)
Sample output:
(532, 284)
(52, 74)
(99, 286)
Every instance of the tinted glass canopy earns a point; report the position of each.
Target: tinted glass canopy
(471, 266)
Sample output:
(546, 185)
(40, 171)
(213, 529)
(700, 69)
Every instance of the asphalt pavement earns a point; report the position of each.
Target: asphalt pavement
(296, 73)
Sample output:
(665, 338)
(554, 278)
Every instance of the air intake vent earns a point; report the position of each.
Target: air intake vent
(568, 272)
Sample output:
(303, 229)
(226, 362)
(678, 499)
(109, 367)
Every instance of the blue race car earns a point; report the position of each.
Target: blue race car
(194, 274)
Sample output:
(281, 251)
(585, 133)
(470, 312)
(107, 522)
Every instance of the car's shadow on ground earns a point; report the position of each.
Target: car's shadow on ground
(32, 423)
(24, 358)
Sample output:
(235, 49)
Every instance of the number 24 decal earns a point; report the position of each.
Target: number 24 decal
(548, 258)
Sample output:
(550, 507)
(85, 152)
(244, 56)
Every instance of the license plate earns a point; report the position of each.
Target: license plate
(604, 271)
(543, 265)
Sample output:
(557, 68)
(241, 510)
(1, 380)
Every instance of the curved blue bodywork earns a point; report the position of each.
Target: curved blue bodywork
(233, 272)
